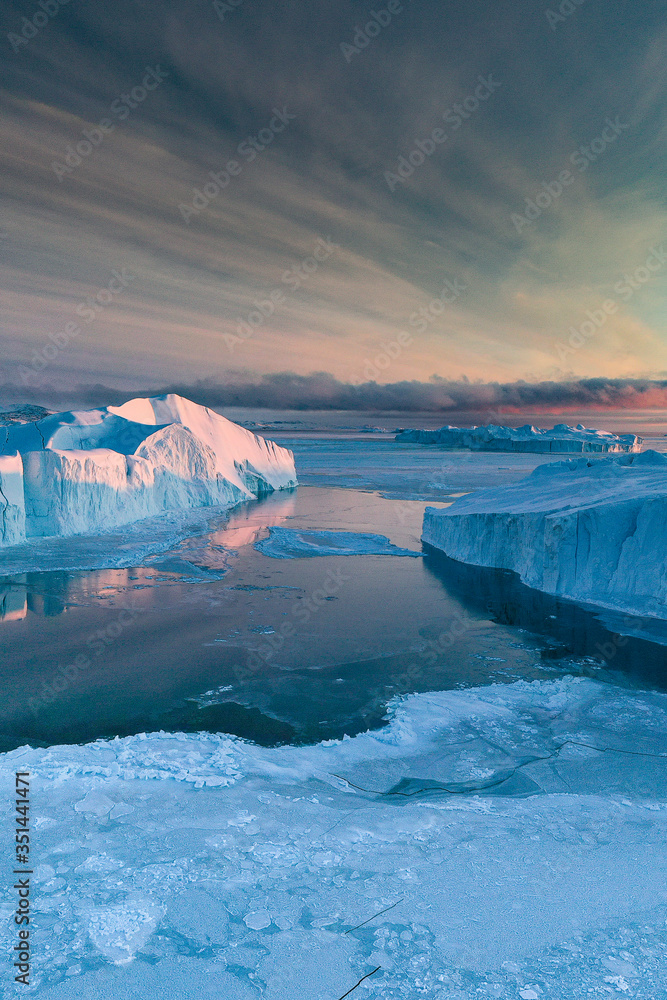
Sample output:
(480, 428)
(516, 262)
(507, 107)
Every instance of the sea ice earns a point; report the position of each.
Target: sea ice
(414, 850)
(290, 543)
(592, 530)
(402, 471)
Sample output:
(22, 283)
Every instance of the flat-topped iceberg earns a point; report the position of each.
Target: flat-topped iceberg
(88, 470)
(593, 530)
(493, 437)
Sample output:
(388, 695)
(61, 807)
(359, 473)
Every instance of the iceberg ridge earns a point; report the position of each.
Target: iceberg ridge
(528, 438)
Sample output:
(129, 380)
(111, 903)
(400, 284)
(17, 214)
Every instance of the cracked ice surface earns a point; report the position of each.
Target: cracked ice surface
(512, 859)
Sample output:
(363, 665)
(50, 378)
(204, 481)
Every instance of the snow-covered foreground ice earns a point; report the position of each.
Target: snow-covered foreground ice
(289, 543)
(87, 471)
(502, 842)
(528, 438)
(590, 530)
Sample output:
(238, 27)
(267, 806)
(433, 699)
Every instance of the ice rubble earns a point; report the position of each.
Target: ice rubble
(505, 844)
(528, 438)
(588, 529)
(86, 471)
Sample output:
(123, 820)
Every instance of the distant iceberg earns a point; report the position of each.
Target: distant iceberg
(592, 530)
(89, 470)
(493, 437)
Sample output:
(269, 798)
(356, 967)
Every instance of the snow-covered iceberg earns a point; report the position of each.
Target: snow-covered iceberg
(88, 470)
(592, 530)
(493, 437)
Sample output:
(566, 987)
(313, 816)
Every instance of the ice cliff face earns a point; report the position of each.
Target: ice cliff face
(590, 530)
(12, 506)
(560, 438)
(85, 471)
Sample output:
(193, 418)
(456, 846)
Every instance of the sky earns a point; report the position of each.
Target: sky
(256, 193)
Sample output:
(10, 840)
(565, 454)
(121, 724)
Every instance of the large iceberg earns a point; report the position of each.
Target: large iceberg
(592, 530)
(88, 470)
(493, 437)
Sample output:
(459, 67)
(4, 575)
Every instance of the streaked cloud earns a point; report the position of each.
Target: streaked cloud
(323, 177)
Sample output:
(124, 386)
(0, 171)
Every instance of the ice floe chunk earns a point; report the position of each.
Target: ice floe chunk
(119, 931)
(257, 920)
(291, 543)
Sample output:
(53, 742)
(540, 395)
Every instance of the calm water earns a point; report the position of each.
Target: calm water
(215, 636)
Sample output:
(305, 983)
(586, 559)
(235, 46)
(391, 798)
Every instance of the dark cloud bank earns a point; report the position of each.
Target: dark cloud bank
(320, 391)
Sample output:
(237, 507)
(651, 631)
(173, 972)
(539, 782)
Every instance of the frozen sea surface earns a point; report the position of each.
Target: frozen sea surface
(402, 471)
(505, 841)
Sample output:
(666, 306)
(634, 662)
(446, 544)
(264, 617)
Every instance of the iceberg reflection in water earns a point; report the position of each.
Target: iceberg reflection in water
(627, 644)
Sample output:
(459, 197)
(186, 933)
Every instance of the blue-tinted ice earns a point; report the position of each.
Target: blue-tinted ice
(289, 543)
